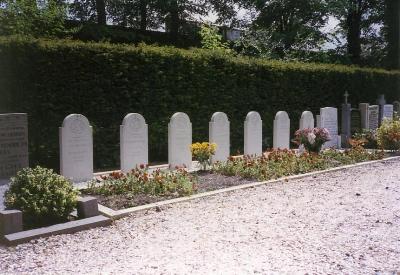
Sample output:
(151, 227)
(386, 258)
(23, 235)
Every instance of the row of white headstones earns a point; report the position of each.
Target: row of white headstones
(76, 139)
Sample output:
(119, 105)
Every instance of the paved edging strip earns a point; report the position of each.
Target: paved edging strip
(62, 228)
(117, 214)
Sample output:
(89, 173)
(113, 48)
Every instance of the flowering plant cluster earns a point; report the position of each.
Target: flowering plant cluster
(388, 135)
(202, 152)
(141, 181)
(312, 138)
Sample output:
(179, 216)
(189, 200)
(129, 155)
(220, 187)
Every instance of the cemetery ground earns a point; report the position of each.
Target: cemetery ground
(339, 222)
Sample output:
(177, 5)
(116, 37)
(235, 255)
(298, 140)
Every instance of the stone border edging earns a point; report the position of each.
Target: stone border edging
(62, 228)
(117, 214)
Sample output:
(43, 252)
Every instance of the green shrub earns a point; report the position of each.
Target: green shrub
(51, 79)
(388, 135)
(43, 196)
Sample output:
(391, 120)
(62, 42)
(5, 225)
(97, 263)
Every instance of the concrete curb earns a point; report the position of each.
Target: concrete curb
(117, 214)
(62, 228)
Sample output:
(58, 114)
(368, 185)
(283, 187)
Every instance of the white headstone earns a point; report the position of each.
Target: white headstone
(329, 120)
(253, 134)
(364, 115)
(373, 117)
(133, 142)
(76, 148)
(319, 121)
(13, 144)
(306, 120)
(219, 134)
(388, 111)
(179, 141)
(281, 130)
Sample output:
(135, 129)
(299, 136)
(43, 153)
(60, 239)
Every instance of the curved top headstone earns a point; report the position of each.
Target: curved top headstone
(180, 119)
(76, 123)
(219, 117)
(133, 142)
(306, 120)
(76, 148)
(133, 121)
(253, 116)
(281, 115)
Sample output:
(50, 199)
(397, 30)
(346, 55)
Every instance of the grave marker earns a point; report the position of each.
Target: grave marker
(281, 130)
(13, 144)
(76, 148)
(306, 120)
(373, 117)
(253, 134)
(219, 128)
(364, 113)
(179, 141)
(133, 142)
(387, 111)
(329, 120)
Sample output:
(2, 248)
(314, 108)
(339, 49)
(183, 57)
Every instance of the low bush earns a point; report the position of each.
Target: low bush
(202, 152)
(366, 138)
(43, 196)
(140, 181)
(280, 163)
(388, 135)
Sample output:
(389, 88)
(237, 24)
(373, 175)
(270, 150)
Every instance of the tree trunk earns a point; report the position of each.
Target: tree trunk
(101, 12)
(354, 35)
(143, 15)
(392, 18)
(174, 21)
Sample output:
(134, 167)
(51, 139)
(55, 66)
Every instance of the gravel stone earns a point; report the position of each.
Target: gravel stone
(314, 225)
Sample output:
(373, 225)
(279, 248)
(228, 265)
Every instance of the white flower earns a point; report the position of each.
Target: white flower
(311, 138)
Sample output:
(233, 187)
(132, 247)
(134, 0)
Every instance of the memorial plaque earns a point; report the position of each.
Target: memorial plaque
(219, 134)
(179, 141)
(281, 131)
(253, 134)
(364, 107)
(373, 117)
(355, 121)
(13, 144)
(133, 142)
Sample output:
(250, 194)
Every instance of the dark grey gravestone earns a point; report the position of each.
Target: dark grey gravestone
(396, 107)
(381, 103)
(355, 121)
(13, 144)
(345, 126)
(373, 117)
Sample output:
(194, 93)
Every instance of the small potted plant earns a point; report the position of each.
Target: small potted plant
(312, 138)
(202, 152)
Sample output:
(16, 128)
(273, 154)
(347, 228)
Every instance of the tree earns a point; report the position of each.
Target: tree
(392, 20)
(28, 17)
(287, 25)
(359, 22)
(101, 12)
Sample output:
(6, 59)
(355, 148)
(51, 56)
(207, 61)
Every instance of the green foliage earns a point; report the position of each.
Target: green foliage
(43, 196)
(211, 40)
(367, 138)
(388, 135)
(280, 163)
(27, 17)
(140, 181)
(51, 79)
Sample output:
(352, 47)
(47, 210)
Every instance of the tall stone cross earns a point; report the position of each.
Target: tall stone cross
(346, 95)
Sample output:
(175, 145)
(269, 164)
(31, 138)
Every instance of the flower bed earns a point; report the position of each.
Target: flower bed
(139, 187)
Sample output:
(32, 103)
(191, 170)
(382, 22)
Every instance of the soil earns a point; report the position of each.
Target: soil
(206, 182)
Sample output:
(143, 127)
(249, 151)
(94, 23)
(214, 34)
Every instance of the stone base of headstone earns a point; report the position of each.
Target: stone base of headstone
(10, 222)
(87, 207)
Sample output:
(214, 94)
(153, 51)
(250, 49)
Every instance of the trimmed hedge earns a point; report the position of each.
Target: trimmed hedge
(51, 79)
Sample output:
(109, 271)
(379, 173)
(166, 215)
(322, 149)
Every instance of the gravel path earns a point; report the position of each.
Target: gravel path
(342, 222)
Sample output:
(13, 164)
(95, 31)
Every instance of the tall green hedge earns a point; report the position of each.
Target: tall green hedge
(51, 79)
